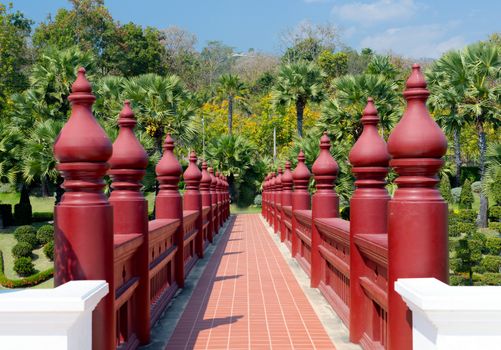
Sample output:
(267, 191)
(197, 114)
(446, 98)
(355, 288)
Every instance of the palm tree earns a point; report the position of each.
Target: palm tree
(232, 89)
(482, 101)
(491, 186)
(447, 82)
(298, 83)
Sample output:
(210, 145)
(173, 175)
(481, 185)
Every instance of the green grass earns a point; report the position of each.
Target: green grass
(38, 204)
(248, 210)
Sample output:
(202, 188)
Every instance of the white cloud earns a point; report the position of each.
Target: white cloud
(420, 41)
(377, 11)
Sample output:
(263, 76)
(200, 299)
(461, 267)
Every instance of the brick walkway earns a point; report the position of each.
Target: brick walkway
(248, 298)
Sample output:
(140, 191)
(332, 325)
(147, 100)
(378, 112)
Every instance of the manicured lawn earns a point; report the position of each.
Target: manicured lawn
(38, 204)
(248, 210)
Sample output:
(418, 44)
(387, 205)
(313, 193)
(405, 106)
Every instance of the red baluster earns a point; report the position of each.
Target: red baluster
(192, 199)
(300, 197)
(168, 203)
(213, 196)
(205, 183)
(368, 211)
(286, 199)
(417, 224)
(84, 218)
(278, 201)
(325, 202)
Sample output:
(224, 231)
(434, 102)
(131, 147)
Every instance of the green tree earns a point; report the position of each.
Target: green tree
(307, 49)
(232, 89)
(491, 186)
(445, 189)
(468, 253)
(466, 197)
(333, 64)
(298, 84)
(217, 59)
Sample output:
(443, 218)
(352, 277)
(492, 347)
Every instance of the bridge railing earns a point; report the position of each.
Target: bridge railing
(144, 262)
(355, 263)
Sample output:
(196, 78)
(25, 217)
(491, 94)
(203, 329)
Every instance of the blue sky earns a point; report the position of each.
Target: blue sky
(413, 28)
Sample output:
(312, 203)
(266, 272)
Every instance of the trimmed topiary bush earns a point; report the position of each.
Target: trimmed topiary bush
(31, 239)
(23, 230)
(24, 267)
(495, 213)
(466, 197)
(445, 189)
(43, 216)
(48, 250)
(258, 200)
(491, 263)
(45, 234)
(491, 279)
(29, 281)
(496, 226)
(456, 193)
(493, 245)
(476, 187)
(22, 249)
(467, 215)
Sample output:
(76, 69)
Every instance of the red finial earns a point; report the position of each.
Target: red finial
(192, 174)
(370, 148)
(287, 177)
(205, 182)
(82, 139)
(301, 175)
(168, 169)
(128, 153)
(417, 135)
(278, 181)
(325, 168)
(213, 183)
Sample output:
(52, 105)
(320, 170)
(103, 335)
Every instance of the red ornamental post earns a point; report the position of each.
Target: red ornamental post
(193, 199)
(369, 158)
(213, 198)
(130, 209)
(268, 194)
(286, 199)
(300, 197)
(278, 201)
(272, 199)
(226, 197)
(417, 224)
(206, 198)
(325, 202)
(263, 196)
(84, 218)
(219, 191)
(168, 202)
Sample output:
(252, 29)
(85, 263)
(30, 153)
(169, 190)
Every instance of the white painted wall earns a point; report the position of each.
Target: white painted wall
(455, 318)
(55, 319)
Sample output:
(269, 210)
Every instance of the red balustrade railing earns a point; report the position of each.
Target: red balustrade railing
(144, 262)
(356, 263)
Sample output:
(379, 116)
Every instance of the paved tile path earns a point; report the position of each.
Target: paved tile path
(248, 298)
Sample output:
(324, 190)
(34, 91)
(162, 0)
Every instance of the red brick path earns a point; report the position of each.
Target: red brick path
(248, 298)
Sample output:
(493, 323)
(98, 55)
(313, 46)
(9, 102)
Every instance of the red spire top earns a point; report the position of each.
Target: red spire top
(325, 168)
(218, 181)
(301, 175)
(82, 139)
(213, 183)
(287, 177)
(168, 169)
(206, 180)
(278, 180)
(370, 149)
(128, 153)
(192, 174)
(417, 135)
(273, 181)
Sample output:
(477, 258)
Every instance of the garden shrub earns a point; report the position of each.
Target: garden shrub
(45, 234)
(30, 281)
(24, 266)
(456, 194)
(495, 213)
(467, 215)
(493, 245)
(258, 200)
(6, 214)
(462, 228)
(22, 213)
(476, 187)
(30, 238)
(466, 197)
(445, 189)
(22, 230)
(491, 263)
(496, 226)
(48, 250)
(22, 249)
(491, 279)
(458, 280)
(43, 216)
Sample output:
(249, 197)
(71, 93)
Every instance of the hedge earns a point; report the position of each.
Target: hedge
(24, 230)
(30, 281)
(43, 216)
(48, 250)
(22, 249)
(45, 234)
